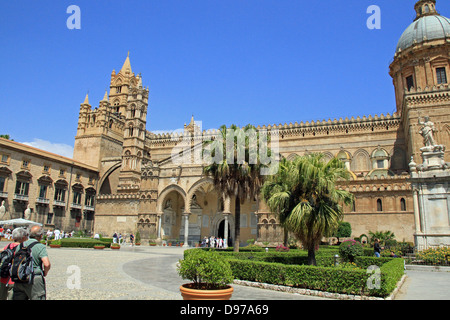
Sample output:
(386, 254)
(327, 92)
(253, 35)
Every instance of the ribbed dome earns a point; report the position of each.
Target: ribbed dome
(426, 28)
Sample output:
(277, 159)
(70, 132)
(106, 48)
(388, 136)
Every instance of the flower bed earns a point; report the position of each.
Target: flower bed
(435, 256)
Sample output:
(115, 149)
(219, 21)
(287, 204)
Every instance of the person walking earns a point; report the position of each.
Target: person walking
(19, 235)
(377, 248)
(131, 239)
(41, 265)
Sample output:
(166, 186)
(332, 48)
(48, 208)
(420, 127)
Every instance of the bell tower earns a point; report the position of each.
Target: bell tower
(420, 73)
(133, 103)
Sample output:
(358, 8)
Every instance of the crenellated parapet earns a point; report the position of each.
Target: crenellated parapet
(428, 95)
(326, 127)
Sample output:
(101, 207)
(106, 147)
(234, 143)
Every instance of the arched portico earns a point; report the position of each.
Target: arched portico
(170, 205)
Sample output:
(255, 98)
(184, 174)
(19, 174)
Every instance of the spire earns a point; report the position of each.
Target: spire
(126, 68)
(105, 98)
(86, 100)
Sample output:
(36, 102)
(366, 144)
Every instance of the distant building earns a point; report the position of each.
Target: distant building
(58, 191)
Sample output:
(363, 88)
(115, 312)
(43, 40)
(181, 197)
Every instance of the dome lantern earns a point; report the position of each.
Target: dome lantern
(425, 8)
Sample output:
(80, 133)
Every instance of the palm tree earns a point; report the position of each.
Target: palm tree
(278, 190)
(304, 195)
(383, 236)
(237, 172)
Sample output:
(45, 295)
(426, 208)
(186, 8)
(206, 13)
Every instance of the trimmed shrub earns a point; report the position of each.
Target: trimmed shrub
(82, 243)
(350, 249)
(206, 269)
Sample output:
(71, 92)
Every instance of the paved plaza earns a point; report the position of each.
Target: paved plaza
(149, 273)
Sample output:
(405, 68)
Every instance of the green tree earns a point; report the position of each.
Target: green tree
(303, 192)
(6, 136)
(237, 171)
(344, 230)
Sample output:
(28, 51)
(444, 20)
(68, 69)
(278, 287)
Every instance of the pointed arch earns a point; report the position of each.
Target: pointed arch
(165, 192)
(361, 161)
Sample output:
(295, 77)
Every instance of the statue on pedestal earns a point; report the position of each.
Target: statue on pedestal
(432, 153)
(2, 210)
(27, 213)
(427, 132)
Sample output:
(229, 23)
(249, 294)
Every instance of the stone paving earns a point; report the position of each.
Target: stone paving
(137, 273)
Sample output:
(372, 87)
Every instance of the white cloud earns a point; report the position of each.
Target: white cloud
(62, 149)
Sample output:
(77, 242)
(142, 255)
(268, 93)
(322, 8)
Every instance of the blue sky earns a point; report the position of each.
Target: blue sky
(233, 61)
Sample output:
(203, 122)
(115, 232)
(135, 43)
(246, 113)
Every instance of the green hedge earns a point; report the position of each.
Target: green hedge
(291, 269)
(302, 276)
(331, 279)
(82, 243)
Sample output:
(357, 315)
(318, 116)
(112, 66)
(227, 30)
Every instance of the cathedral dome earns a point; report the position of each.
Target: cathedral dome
(427, 26)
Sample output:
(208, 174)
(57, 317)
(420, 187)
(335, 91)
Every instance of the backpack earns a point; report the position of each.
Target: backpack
(22, 270)
(5, 261)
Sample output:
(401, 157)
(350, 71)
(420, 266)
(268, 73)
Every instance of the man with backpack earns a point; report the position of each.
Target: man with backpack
(6, 285)
(29, 282)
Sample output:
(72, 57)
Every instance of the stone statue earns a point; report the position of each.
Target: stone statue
(27, 213)
(2, 210)
(427, 132)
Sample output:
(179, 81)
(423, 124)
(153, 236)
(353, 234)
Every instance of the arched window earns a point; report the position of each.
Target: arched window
(403, 204)
(379, 205)
(131, 131)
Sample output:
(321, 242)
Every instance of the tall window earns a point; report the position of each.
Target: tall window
(441, 75)
(2, 184)
(403, 204)
(379, 205)
(76, 197)
(22, 188)
(60, 194)
(42, 191)
(89, 200)
(410, 82)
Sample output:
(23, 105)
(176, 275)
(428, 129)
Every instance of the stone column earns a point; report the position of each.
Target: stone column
(225, 230)
(226, 213)
(416, 210)
(186, 229)
(159, 225)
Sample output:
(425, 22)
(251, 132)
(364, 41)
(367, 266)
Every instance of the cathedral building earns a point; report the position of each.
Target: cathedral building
(141, 188)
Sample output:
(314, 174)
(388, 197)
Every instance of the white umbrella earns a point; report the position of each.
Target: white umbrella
(19, 222)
